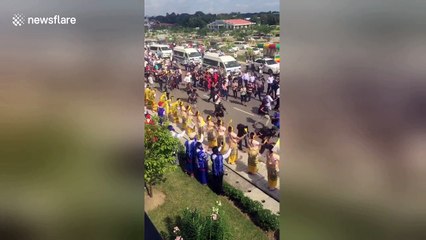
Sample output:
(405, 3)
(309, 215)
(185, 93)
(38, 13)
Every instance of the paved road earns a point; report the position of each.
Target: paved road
(239, 113)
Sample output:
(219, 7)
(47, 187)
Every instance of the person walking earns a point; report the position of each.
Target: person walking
(253, 154)
(249, 91)
(187, 79)
(218, 169)
(272, 165)
(212, 92)
(235, 88)
(269, 81)
(277, 100)
(225, 90)
(275, 87)
(258, 85)
(243, 94)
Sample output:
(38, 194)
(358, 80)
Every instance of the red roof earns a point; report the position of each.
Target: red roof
(238, 22)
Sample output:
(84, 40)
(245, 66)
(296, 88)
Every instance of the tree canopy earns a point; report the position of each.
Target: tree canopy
(200, 19)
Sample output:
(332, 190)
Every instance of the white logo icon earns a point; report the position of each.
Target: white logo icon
(18, 19)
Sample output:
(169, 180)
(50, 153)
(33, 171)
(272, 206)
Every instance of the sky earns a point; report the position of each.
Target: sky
(161, 7)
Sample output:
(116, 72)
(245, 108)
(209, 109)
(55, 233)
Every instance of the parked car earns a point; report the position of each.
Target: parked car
(256, 51)
(241, 45)
(234, 49)
(269, 65)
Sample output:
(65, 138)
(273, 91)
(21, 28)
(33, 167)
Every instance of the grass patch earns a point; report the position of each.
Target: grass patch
(182, 191)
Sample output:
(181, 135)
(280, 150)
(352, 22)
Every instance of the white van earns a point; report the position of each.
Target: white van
(163, 50)
(226, 64)
(182, 54)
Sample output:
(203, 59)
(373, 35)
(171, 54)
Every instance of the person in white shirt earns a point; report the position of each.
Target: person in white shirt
(174, 133)
(277, 99)
(187, 79)
(270, 81)
(252, 78)
(268, 100)
(151, 80)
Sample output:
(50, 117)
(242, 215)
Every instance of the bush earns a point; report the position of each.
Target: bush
(263, 218)
(160, 154)
(193, 226)
(266, 220)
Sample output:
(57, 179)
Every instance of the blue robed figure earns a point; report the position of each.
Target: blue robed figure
(202, 167)
(190, 147)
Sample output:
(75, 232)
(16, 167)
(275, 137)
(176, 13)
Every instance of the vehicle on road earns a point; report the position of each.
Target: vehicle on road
(255, 50)
(163, 50)
(268, 65)
(227, 64)
(241, 45)
(189, 55)
(233, 49)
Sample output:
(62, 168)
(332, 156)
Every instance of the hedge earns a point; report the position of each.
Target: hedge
(264, 218)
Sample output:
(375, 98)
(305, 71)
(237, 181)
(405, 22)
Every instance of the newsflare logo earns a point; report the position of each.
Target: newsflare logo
(19, 20)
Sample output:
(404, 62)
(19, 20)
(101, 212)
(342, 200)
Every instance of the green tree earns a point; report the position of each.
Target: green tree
(160, 154)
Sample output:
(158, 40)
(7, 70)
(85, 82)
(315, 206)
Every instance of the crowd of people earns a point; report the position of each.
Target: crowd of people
(244, 86)
(222, 141)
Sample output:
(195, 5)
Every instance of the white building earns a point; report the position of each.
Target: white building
(229, 24)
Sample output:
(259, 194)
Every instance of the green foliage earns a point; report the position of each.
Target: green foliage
(263, 218)
(266, 220)
(192, 225)
(160, 152)
(200, 19)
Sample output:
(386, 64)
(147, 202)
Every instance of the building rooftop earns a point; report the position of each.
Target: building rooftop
(238, 22)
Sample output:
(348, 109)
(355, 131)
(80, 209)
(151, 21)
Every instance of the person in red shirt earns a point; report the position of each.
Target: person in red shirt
(216, 77)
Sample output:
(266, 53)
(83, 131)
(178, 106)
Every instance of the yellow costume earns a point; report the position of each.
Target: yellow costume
(232, 141)
(211, 133)
(174, 113)
(190, 125)
(163, 97)
(184, 114)
(221, 130)
(150, 98)
(253, 156)
(147, 94)
(201, 124)
(181, 110)
(225, 146)
(272, 165)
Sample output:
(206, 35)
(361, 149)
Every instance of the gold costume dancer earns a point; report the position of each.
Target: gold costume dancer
(221, 130)
(233, 140)
(190, 124)
(201, 124)
(184, 114)
(174, 111)
(211, 132)
(272, 165)
(225, 145)
(253, 154)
